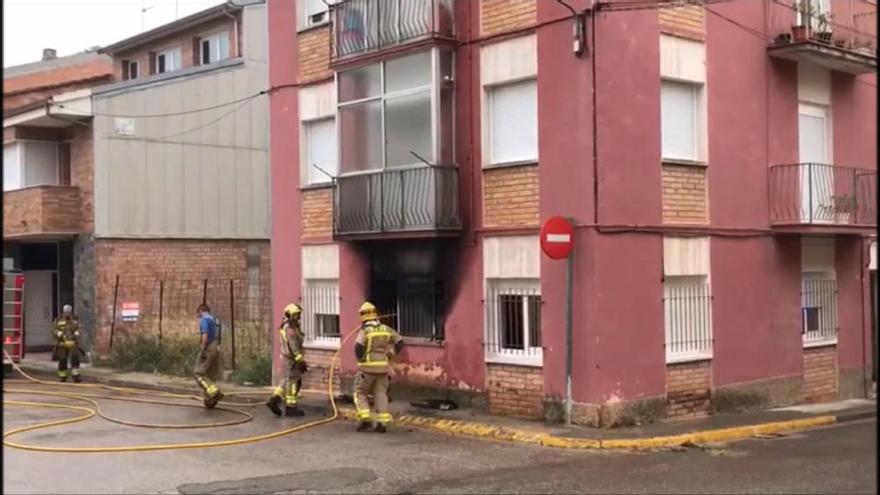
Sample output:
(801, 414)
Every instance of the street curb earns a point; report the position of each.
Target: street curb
(484, 431)
(490, 432)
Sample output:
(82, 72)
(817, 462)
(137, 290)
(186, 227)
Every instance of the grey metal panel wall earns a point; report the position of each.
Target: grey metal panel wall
(197, 175)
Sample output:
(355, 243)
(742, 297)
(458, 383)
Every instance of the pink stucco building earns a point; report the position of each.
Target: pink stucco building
(719, 163)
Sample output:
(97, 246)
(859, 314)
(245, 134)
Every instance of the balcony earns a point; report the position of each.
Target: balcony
(819, 198)
(362, 27)
(417, 201)
(843, 38)
(41, 212)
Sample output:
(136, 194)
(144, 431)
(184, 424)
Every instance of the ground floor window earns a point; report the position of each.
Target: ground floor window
(513, 321)
(818, 308)
(687, 309)
(321, 311)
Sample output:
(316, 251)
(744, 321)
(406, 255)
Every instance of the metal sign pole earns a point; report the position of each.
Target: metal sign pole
(569, 279)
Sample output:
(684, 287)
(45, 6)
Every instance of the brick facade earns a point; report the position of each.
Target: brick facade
(317, 213)
(820, 374)
(498, 16)
(688, 389)
(684, 195)
(510, 197)
(314, 55)
(183, 265)
(187, 41)
(318, 376)
(82, 174)
(516, 391)
(685, 22)
(41, 210)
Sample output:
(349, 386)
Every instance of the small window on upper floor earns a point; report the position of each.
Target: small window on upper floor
(513, 122)
(130, 70)
(168, 61)
(215, 48)
(311, 13)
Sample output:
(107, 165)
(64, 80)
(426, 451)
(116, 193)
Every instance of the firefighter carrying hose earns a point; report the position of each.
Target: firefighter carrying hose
(208, 360)
(376, 343)
(67, 347)
(294, 364)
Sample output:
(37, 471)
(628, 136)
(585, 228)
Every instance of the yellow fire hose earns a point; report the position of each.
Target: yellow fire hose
(96, 410)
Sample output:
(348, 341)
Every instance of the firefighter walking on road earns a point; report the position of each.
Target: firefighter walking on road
(67, 346)
(376, 343)
(294, 364)
(208, 360)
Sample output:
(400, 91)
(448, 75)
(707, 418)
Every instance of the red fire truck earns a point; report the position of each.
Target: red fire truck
(13, 316)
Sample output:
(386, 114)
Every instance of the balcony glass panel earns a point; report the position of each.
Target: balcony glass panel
(409, 72)
(361, 128)
(360, 83)
(408, 129)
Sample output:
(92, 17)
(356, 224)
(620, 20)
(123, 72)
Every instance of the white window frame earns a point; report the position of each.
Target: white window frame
(312, 176)
(525, 288)
(701, 311)
(698, 91)
(314, 305)
(214, 47)
(433, 88)
(490, 129)
(308, 8)
(175, 54)
(21, 165)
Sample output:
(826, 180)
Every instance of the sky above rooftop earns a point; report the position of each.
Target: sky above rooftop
(72, 26)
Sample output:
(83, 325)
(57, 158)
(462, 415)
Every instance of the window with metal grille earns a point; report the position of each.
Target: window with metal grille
(818, 308)
(321, 311)
(513, 321)
(687, 308)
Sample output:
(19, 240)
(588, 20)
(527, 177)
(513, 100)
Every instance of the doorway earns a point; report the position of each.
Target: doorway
(39, 308)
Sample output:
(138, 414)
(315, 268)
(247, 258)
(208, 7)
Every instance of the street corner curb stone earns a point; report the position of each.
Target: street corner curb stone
(490, 432)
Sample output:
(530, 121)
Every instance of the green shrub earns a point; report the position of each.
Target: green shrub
(255, 369)
(175, 355)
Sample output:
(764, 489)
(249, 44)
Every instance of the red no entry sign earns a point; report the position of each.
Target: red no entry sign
(557, 238)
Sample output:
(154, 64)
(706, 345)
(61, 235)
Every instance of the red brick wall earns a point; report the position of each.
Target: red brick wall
(684, 195)
(189, 57)
(497, 16)
(314, 55)
(820, 374)
(685, 22)
(318, 375)
(182, 265)
(510, 197)
(317, 213)
(82, 174)
(41, 210)
(688, 389)
(516, 391)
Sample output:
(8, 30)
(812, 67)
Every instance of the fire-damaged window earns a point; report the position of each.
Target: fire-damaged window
(407, 287)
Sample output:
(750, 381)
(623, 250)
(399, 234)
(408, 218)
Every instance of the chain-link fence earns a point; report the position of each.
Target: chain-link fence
(167, 310)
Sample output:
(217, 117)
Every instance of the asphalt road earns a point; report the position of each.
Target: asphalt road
(335, 459)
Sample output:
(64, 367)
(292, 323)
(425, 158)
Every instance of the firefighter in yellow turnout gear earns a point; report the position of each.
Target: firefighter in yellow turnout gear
(67, 347)
(376, 343)
(294, 364)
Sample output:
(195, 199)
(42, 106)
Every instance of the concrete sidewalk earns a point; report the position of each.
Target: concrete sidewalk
(471, 423)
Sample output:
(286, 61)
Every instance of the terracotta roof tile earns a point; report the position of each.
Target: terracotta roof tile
(62, 76)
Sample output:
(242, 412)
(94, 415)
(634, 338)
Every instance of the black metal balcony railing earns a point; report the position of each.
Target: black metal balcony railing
(364, 26)
(397, 200)
(815, 193)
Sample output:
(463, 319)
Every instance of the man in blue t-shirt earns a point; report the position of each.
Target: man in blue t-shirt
(208, 359)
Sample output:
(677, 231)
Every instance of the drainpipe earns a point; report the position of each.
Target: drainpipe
(234, 28)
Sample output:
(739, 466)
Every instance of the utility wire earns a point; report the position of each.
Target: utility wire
(169, 114)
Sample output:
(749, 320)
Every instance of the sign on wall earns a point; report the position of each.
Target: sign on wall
(130, 311)
(124, 127)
